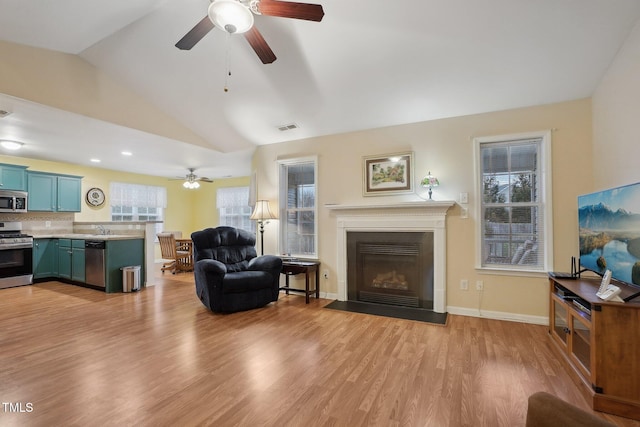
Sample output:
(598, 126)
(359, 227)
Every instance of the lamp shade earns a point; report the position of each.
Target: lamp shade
(262, 211)
(231, 16)
(429, 181)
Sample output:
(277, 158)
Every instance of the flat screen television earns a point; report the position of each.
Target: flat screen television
(609, 223)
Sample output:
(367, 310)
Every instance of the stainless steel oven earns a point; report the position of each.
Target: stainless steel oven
(16, 256)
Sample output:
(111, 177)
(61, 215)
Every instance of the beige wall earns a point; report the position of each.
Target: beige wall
(616, 109)
(445, 148)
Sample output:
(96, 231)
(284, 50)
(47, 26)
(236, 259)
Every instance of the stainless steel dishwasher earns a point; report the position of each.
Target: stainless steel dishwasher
(94, 262)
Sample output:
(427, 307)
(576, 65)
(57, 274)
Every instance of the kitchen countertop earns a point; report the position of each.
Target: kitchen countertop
(88, 236)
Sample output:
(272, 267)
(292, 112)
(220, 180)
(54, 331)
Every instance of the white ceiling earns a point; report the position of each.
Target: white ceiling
(368, 64)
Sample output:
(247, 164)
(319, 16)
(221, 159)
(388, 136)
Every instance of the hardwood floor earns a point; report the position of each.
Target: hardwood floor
(79, 357)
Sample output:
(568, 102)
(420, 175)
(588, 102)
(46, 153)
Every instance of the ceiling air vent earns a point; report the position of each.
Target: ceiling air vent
(284, 128)
(4, 113)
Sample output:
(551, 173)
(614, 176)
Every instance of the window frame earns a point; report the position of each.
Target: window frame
(283, 166)
(544, 203)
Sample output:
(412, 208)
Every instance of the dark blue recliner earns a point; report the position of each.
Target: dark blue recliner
(229, 275)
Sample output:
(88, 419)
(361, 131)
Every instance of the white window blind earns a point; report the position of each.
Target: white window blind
(233, 208)
(135, 195)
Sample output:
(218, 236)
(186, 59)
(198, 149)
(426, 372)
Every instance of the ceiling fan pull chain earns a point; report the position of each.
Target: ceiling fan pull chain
(227, 66)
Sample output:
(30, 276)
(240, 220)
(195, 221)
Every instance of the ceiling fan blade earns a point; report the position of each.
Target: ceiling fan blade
(195, 34)
(260, 46)
(205, 179)
(286, 9)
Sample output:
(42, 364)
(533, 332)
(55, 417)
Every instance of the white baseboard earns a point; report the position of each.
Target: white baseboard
(499, 315)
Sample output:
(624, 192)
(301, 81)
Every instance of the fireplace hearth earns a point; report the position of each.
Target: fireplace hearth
(391, 268)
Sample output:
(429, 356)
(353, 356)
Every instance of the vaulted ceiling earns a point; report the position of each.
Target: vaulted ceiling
(368, 64)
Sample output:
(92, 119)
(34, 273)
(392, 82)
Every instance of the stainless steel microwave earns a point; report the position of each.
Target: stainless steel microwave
(13, 201)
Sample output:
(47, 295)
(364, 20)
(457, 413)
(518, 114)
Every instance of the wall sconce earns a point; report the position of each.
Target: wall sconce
(262, 213)
(429, 182)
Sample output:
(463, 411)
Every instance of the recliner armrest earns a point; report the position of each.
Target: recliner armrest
(212, 266)
(265, 263)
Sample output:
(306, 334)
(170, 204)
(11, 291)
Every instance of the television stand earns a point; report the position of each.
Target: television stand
(600, 342)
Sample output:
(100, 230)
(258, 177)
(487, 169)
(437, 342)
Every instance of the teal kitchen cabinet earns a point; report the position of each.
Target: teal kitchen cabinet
(64, 258)
(53, 192)
(77, 260)
(122, 253)
(45, 258)
(13, 177)
(71, 259)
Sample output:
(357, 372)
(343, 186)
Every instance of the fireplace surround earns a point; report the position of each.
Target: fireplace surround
(408, 217)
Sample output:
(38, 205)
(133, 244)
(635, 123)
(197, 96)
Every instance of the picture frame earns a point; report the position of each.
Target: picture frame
(388, 174)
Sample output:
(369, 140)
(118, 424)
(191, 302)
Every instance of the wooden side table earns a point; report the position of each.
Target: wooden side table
(291, 268)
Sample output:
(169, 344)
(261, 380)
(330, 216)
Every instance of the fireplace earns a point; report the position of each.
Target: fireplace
(421, 218)
(390, 268)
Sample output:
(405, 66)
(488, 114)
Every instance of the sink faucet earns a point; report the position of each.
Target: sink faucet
(103, 230)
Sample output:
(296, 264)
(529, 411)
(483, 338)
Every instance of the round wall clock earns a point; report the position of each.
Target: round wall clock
(95, 197)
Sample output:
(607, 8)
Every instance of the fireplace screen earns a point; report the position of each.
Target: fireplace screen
(393, 268)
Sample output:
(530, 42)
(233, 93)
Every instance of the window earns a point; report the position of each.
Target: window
(134, 202)
(298, 201)
(514, 184)
(233, 208)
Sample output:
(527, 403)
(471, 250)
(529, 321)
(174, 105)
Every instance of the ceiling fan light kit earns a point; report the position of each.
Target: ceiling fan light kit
(230, 15)
(191, 185)
(192, 181)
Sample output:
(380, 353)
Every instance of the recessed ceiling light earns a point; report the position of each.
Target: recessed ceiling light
(126, 153)
(11, 145)
(95, 160)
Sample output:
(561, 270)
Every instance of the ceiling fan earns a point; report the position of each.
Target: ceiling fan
(236, 16)
(192, 180)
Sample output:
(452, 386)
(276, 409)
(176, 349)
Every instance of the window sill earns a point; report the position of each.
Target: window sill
(512, 272)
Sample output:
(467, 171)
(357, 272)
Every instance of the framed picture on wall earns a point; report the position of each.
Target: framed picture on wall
(388, 174)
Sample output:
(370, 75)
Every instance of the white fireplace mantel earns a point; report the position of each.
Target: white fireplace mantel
(427, 216)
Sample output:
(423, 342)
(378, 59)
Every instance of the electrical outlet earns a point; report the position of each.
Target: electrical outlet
(479, 285)
(464, 284)
(464, 212)
(325, 274)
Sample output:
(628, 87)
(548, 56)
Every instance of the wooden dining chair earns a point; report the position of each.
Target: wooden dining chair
(178, 257)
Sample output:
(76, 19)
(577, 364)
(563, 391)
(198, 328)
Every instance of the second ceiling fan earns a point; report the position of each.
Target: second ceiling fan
(236, 16)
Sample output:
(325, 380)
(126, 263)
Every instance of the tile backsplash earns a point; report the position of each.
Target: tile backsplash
(46, 223)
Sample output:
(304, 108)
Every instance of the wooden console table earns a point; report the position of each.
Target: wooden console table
(600, 341)
(291, 268)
